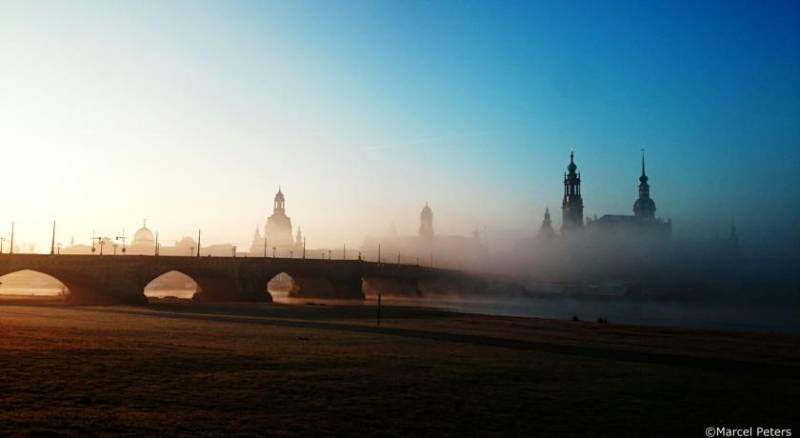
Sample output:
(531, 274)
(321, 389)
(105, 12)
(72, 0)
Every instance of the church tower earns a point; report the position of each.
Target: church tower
(644, 207)
(279, 203)
(426, 222)
(572, 205)
(546, 231)
(278, 230)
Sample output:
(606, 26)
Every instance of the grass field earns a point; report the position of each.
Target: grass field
(187, 369)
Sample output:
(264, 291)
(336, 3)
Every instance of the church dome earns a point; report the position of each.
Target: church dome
(143, 235)
(572, 167)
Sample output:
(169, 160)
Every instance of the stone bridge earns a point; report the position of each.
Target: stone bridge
(94, 279)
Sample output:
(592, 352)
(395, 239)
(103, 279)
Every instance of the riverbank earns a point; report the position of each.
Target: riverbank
(183, 368)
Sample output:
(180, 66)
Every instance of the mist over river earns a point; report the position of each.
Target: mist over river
(616, 310)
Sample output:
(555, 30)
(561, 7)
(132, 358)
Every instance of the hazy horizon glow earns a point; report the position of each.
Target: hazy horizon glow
(192, 113)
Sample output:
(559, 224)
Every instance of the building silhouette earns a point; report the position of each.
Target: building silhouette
(277, 233)
(426, 223)
(427, 248)
(144, 241)
(572, 203)
(546, 230)
(643, 223)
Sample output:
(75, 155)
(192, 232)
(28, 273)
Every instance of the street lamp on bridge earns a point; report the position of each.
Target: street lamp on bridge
(123, 239)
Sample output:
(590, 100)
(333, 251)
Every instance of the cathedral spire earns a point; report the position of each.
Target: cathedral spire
(643, 179)
(643, 174)
(572, 204)
(546, 230)
(644, 207)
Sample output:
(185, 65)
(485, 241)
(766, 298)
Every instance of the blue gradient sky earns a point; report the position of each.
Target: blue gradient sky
(191, 114)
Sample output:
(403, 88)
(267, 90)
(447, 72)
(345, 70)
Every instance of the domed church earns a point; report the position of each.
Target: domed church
(144, 241)
(277, 232)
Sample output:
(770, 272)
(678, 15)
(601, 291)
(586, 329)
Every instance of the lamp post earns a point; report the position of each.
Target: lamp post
(123, 239)
(2, 240)
(53, 240)
(102, 243)
(58, 248)
(273, 252)
(94, 245)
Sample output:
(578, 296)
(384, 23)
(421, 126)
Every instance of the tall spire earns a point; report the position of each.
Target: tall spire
(643, 178)
(643, 174)
(546, 230)
(644, 207)
(572, 204)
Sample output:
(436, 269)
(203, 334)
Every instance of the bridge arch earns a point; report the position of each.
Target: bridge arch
(32, 282)
(171, 284)
(282, 285)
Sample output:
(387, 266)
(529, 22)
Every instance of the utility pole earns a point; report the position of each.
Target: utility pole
(11, 246)
(265, 243)
(273, 252)
(379, 254)
(304, 247)
(198, 243)
(155, 248)
(344, 251)
(2, 240)
(53, 240)
(93, 239)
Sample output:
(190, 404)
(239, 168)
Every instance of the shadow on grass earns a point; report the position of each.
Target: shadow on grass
(271, 315)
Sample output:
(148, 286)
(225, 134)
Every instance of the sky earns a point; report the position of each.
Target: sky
(192, 113)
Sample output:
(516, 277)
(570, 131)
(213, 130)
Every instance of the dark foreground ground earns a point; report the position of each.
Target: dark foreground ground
(183, 369)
